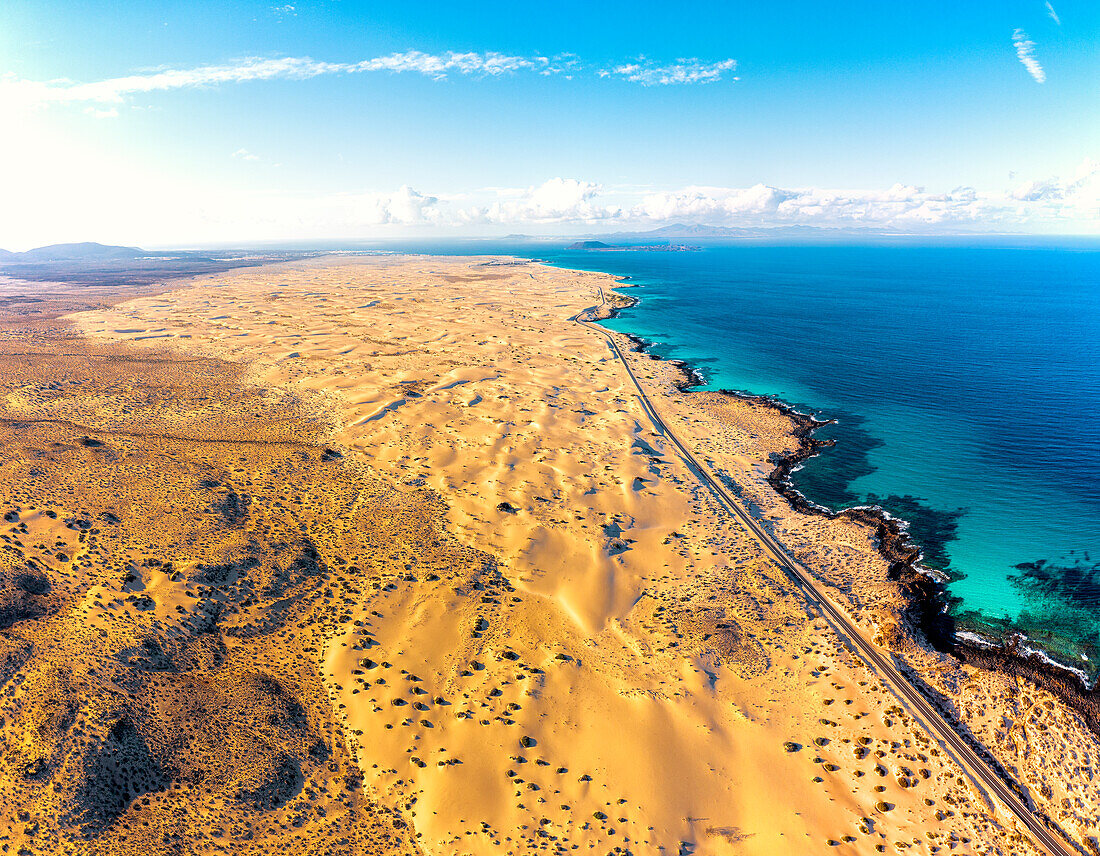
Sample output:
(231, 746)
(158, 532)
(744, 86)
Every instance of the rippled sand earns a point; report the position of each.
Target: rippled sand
(383, 555)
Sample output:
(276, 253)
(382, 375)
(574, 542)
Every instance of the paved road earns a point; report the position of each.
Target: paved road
(880, 663)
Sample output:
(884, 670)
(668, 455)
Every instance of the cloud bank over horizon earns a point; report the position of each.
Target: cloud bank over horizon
(557, 206)
(569, 201)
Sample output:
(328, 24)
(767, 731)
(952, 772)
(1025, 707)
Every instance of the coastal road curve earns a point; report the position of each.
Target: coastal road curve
(928, 715)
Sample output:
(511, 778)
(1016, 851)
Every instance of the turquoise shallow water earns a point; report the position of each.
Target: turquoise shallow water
(966, 384)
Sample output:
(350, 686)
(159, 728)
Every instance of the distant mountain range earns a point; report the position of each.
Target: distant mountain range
(87, 251)
(676, 231)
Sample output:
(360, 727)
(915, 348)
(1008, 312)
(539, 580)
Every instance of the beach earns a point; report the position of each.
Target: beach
(414, 527)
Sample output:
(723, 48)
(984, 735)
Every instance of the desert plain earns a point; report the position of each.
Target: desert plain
(384, 554)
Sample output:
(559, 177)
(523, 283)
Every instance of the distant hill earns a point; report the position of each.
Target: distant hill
(589, 245)
(698, 230)
(695, 230)
(87, 251)
(102, 265)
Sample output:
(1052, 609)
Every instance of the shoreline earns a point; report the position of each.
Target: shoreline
(474, 540)
(925, 591)
(551, 579)
(507, 624)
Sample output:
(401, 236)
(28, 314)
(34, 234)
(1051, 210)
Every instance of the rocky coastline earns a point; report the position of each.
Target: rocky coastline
(925, 594)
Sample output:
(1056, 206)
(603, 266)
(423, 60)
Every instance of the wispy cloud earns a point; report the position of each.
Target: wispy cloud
(245, 154)
(101, 112)
(438, 66)
(115, 90)
(1053, 15)
(680, 72)
(1025, 52)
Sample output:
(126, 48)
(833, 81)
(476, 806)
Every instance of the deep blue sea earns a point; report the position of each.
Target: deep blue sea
(965, 381)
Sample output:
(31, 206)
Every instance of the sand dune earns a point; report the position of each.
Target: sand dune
(383, 555)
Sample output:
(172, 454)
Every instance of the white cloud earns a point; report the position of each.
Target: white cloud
(437, 66)
(1039, 191)
(114, 90)
(287, 10)
(1053, 15)
(21, 92)
(680, 72)
(762, 205)
(1086, 170)
(711, 205)
(559, 200)
(404, 206)
(1025, 52)
(245, 154)
(101, 112)
(1038, 203)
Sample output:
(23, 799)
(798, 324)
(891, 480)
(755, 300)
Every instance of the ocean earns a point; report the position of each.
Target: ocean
(964, 379)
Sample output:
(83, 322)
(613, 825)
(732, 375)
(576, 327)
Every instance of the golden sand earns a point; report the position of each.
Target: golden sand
(384, 555)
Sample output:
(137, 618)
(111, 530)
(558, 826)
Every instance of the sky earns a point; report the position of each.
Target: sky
(194, 123)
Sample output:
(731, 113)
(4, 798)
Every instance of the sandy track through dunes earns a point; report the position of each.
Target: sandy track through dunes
(496, 597)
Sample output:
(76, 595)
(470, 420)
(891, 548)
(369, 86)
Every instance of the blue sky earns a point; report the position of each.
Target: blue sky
(171, 122)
